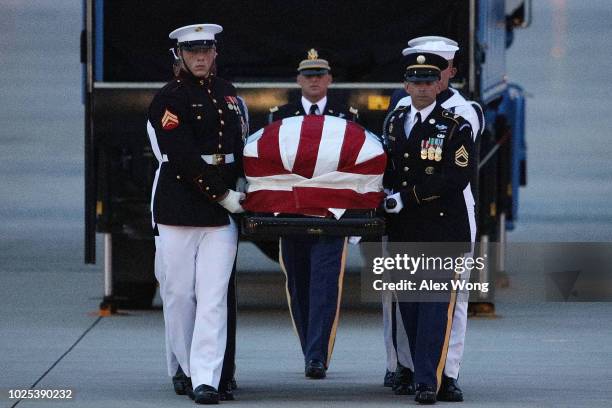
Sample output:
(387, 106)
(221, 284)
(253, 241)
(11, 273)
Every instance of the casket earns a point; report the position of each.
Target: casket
(313, 174)
(364, 224)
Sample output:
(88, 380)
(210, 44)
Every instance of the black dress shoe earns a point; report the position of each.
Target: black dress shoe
(425, 394)
(449, 390)
(181, 383)
(205, 394)
(226, 391)
(315, 369)
(403, 381)
(389, 377)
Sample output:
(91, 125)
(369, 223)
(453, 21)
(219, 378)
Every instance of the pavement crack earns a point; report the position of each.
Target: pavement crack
(81, 337)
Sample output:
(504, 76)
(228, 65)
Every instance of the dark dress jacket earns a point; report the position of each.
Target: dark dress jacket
(190, 117)
(430, 169)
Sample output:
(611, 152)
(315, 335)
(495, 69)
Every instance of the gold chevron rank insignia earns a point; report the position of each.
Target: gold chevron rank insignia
(461, 157)
(169, 121)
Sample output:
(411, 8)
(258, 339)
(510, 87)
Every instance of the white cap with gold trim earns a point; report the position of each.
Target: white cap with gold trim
(196, 35)
(442, 46)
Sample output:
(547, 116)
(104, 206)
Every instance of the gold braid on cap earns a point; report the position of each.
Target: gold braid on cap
(423, 66)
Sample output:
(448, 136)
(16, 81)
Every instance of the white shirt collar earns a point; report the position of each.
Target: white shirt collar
(306, 104)
(424, 112)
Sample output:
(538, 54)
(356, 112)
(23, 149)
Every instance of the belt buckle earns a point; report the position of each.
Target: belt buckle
(218, 158)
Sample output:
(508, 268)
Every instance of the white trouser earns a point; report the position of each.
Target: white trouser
(197, 264)
(458, 328)
(402, 354)
(457, 336)
(369, 251)
(160, 274)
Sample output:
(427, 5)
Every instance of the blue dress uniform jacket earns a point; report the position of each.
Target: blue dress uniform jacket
(192, 117)
(431, 186)
(430, 169)
(295, 108)
(314, 268)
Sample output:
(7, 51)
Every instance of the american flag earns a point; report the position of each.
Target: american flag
(313, 165)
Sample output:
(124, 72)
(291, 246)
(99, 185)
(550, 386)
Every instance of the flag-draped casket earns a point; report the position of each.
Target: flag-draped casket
(313, 165)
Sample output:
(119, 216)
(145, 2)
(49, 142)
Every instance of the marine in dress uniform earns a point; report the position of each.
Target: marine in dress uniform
(196, 129)
(431, 161)
(314, 266)
(397, 347)
(181, 383)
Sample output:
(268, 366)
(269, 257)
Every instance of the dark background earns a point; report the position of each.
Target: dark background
(265, 40)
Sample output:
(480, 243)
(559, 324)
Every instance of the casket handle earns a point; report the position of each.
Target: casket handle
(314, 231)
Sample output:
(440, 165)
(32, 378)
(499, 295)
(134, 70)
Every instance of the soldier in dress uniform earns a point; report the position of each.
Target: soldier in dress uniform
(314, 78)
(197, 129)
(431, 161)
(314, 266)
(397, 347)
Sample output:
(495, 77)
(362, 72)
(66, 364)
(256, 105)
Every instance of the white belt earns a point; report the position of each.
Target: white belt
(213, 159)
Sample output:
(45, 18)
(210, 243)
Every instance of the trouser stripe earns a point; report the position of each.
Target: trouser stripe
(449, 324)
(332, 335)
(288, 293)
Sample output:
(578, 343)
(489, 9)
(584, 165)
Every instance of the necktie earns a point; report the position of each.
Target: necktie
(417, 119)
(417, 123)
(313, 109)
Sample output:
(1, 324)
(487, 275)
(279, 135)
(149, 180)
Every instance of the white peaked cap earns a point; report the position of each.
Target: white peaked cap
(440, 48)
(428, 38)
(196, 32)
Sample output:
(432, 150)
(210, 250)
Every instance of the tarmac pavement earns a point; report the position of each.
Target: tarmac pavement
(532, 355)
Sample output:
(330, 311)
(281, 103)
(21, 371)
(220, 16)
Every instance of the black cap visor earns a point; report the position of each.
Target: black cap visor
(313, 72)
(197, 45)
(422, 75)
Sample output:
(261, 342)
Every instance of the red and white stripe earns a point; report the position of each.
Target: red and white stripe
(313, 165)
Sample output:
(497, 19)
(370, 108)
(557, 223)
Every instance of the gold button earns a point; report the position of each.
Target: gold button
(209, 91)
(406, 155)
(214, 196)
(198, 117)
(220, 133)
(220, 145)
(178, 177)
(207, 188)
(404, 183)
(214, 100)
(201, 82)
(222, 123)
(178, 80)
(441, 214)
(220, 111)
(406, 168)
(200, 181)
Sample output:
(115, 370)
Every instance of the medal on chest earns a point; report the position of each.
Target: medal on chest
(424, 149)
(232, 103)
(438, 154)
(431, 150)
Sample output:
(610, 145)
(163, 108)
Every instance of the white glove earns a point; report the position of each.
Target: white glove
(398, 203)
(354, 240)
(232, 200)
(242, 186)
